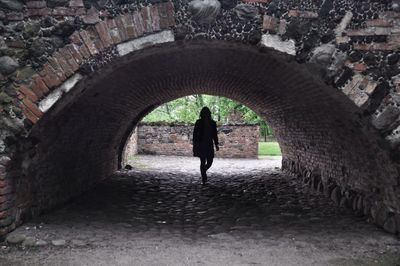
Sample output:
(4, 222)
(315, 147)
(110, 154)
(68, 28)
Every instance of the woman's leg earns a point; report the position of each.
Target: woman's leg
(203, 169)
(209, 162)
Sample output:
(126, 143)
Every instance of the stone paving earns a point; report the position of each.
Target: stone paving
(158, 213)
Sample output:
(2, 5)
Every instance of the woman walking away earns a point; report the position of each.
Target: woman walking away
(204, 138)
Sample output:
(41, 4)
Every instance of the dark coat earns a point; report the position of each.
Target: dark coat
(204, 138)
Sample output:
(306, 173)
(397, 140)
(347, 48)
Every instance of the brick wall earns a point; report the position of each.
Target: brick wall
(76, 77)
(236, 140)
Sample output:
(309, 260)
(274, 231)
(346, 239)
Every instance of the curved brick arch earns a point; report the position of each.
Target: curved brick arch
(82, 136)
(352, 45)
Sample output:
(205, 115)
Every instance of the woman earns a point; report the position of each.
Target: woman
(204, 138)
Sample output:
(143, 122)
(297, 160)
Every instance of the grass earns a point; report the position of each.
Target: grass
(269, 149)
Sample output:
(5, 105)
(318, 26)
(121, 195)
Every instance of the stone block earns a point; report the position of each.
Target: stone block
(92, 16)
(390, 225)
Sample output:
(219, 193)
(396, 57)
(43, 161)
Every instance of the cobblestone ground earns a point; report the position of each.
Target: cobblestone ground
(249, 213)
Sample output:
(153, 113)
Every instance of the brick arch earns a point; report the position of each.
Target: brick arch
(107, 37)
(323, 136)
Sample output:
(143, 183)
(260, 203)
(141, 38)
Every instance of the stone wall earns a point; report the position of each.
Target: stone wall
(77, 75)
(235, 140)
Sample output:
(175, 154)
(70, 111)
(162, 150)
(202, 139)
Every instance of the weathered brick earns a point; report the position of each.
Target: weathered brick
(29, 115)
(95, 38)
(379, 23)
(5, 191)
(256, 1)
(15, 16)
(114, 31)
(88, 42)
(76, 3)
(66, 68)
(146, 18)
(138, 23)
(389, 14)
(63, 11)
(32, 107)
(28, 93)
(371, 31)
(129, 27)
(49, 77)
(303, 14)
(92, 16)
(270, 23)
(376, 46)
(166, 13)
(38, 12)
(65, 52)
(78, 48)
(123, 34)
(4, 214)
(39, 87)
(58, 70)
(36, 4)
(104, 33)
(155, 18)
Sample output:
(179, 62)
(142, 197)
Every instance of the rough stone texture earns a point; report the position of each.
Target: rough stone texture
(54, 39)
(235, 141)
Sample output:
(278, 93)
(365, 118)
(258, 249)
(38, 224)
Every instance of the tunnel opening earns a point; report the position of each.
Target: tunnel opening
(168, 131)
(323, 135)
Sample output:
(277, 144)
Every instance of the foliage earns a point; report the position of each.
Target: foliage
(187, 109)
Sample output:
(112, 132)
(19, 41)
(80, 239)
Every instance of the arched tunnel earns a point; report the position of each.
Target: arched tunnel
(81, 139)
(77, 76)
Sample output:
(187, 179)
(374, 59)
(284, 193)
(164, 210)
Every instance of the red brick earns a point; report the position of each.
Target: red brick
(29, 115)
(38, 12)
(80, 11)
(120, 21)
(4, 214)
(67, 69)
(94, 36)
(166, 13)
(256, 1)
(302, 14)
(88, 42)
(63, 11)
(138, 23)
(49, 77)
(28, 93)
(32, 107)
(146, 18)
(15, 16)
(65, 52)
(76, 3)
(371, 31)
(39, 87)
(36, 4)
(78, 48)
(360, 67)
(270, 24)
(129, 27)
(58, 70)
(379, 23)
(114, 31)
(104, 33)
(155, 18)
(375, 46)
